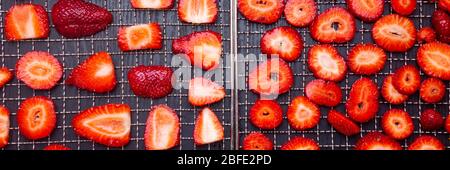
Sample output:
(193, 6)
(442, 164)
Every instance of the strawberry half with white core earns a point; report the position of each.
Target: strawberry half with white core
(284, 42)
(362, 103)
(366, 10)
(271, 78)
(26, 21)
(162, 131)
(366, 59)
(397, 124)
(335, 25)
(261, 11)
(434, 59)
(377, 141)
(406, 79)
(303, 114)
(326, 63)
(394, 33)
(390, 94)
(39, 70)
(36, 117)
(208, 128)
(140, 37)
(203, 92)
(4, 126)
(426, 142)
(152, 4)
(197, 11)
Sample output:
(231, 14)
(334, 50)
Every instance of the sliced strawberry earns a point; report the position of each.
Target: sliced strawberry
(404, 7)
(257, 141)
(366, 59)
(300, 13)
(5, 76)
(342, 124)
(444, 5)
(431, 119)
(362, 103)
(300, 143)
(432, 90)
(56, 147)
(326, 63)
(95, 74)
(208, 128)
(163, 129)
(377, 141)
(140, 37)
(390, 94)
(203, 92)
(394, 33)
(406, 79)
(197, 11)
(325, 93)
(434, 60)
(266, 114)
(366, 10)
(26, 21)
(426, 142)
(203, 49)
(4, 126)
(261, 11)
(303, 114)
(335, 25)
(273, 77)
(397, 124)
(426, 34)
(39, 70)
(36, 117)
(284, 42)
(107, 124)
(447, 124)
(152, 4)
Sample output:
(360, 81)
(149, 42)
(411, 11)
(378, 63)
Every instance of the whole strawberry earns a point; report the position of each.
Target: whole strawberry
(78, 18)
(441, 23)
(431, 119)
(150, 81)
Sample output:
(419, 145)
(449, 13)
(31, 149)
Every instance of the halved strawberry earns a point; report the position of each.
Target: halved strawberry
(5, 76)
(4, 126)
(434, 59)
(273, 77)
(404, 7)
(261, 11)
(444, 5)
(390, 94)
(284, 42)
(366, 10)
(362, 103)
(140, 37)
(335, 25)
(406, 79)
(208, 128)
(325, 93)
(431, 119)
(426, 34)
(426, 142)
(342, 124)
(303, 114)
(366, 59)
(203, 49)
(152, 4)
(107, 124)
(203, 92)
(163, 128)
(95, 74)
(266, 114)
(397, 124)
(300, 143)
(257, 141)
(377, 141)
(432, 90)
(197, 11)
(394, 33)
(326, 63)
(300, 13)
(36, 117)
(39, 70)
(56, 147)
(26, 21)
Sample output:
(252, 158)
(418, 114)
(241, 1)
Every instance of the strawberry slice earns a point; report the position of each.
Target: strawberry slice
(366, 59)
(444, 5)
(406, 79)
(300, 13)
(426, 142)
(342, 124)
(335, 25)
(326, 63)
(397, 124)
(36, 117)
(26, 21)
(107, 124)
(208, 128)
(447, 124)
(434, 60)
(4, 126)
(39, 70)
(284, 42)
(362, 103)
(366, 10)
(390, 94)
(163, 128)
(300, 143)
(5, 76)
(95, 74)
(404, 7)
(266, 114)
(203, 49)
(261, 11)
(273, 77)
(140, 37)
(203, 92)
(303, 114)
(394, 33)
(325, 93)
(257, 141)
(426, 34)
(431, 119)
(432, 90)
(56, 147)
(152, 4)
(377, 141)
(197, 11)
